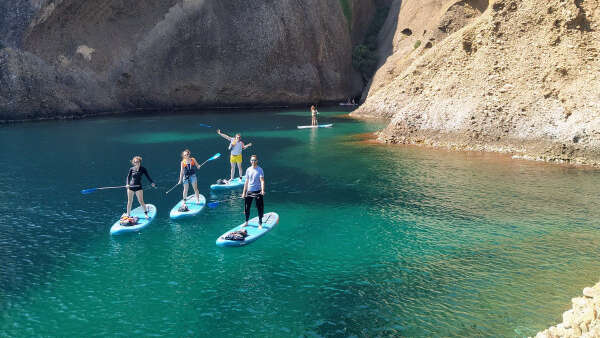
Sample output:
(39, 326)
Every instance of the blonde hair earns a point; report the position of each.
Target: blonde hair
(186, 150)
(256, 157)
(136, 158)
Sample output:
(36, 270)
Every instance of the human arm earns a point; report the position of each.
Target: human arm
(180, 175)
(262, 185)
(149, 179)
(247, 146)
(223, 135)
(245, 189)
(128, 178)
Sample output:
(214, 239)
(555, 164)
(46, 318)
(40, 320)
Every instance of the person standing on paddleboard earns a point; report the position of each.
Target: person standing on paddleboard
(134, 184)
(236, 146)
(313, 112)
(187, 175)
(254, 188)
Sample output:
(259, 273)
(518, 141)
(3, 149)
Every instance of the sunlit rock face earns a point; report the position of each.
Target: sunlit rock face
(513, 76)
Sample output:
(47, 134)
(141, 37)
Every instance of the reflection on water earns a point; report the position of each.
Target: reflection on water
(373, 240)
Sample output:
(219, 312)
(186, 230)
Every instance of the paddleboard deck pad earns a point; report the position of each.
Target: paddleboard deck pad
(143, 222)
(270, 220)
(317, 126)
(193, 206)
(233, 184)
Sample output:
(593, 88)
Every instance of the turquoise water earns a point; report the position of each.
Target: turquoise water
(373, 240)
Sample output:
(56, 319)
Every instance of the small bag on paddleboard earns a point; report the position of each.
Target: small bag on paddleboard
(128, 221)
(183, 208)
(239, 235)
(222, 181)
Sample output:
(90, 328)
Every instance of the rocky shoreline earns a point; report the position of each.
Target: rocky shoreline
(582, 320)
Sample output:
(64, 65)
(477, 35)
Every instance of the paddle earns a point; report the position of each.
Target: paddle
(205, 125)
(214, 157)
(214, 204)
(91, 190)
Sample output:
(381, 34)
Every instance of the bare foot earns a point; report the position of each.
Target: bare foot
(260, 226)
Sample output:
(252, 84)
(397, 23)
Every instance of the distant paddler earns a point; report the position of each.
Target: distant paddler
(313, 112)
(235, 146)
(134, 184)
(187, 175)
(254, 188)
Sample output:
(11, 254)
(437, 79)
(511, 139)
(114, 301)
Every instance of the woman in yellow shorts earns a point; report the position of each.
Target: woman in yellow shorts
(236, 146)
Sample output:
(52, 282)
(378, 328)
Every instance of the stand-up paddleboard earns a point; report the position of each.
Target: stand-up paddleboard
(143, 222)
(270, 220)
(317, 126)
(233, 184)
(193, 206)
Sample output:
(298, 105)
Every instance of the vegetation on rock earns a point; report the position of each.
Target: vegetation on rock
(364, 56)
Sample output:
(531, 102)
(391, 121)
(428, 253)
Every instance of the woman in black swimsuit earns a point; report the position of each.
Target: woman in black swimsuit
(134, 184)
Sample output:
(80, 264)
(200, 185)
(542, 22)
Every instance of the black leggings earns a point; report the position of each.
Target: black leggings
(259, 205)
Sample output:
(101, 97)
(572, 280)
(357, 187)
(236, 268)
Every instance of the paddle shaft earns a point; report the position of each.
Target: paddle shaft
(121, 186)
(214, 157)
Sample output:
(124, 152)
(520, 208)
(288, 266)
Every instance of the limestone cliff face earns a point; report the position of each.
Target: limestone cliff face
(418, 23)
(192, 53)
(520, 78)
(582, 320)
(15, 16)
(31, 88)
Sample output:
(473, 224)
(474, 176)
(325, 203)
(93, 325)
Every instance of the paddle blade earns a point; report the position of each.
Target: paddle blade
(205, 125)
(88, 191)
(215, 156)
(213, 204)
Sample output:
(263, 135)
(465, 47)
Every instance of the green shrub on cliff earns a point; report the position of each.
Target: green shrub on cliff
(364, 56)
(347, 9)
(364, 60)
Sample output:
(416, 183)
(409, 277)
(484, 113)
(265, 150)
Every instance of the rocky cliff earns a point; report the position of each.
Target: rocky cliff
(582, 320)
(510, 76)
(177, 53)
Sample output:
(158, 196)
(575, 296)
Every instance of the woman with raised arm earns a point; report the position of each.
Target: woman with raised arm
(235, 146)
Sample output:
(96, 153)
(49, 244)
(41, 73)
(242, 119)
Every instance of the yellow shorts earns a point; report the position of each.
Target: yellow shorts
(235, 158)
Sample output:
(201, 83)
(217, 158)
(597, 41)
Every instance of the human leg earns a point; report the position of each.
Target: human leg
(129, 201)
(196, 193)
(186, 186)
(247, 205)
(261, 209)
(140, 197)
(232, 171)
(239, 165)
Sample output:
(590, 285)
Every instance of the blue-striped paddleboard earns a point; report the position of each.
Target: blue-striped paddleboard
(233, 184)
(270, 220)
(138, 212)
(195, 207)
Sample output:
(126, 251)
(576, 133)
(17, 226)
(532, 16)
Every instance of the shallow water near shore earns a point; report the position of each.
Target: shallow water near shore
(372, 241)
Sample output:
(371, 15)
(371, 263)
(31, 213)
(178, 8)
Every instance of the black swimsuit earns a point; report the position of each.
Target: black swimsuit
(134, 177)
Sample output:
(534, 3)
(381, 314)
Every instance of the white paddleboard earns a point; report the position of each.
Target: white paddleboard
(317, 126)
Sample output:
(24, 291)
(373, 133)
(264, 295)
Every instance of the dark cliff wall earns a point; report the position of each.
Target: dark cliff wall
(174, 53)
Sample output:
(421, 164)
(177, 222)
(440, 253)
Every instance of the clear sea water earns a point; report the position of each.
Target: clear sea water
(373, 240)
